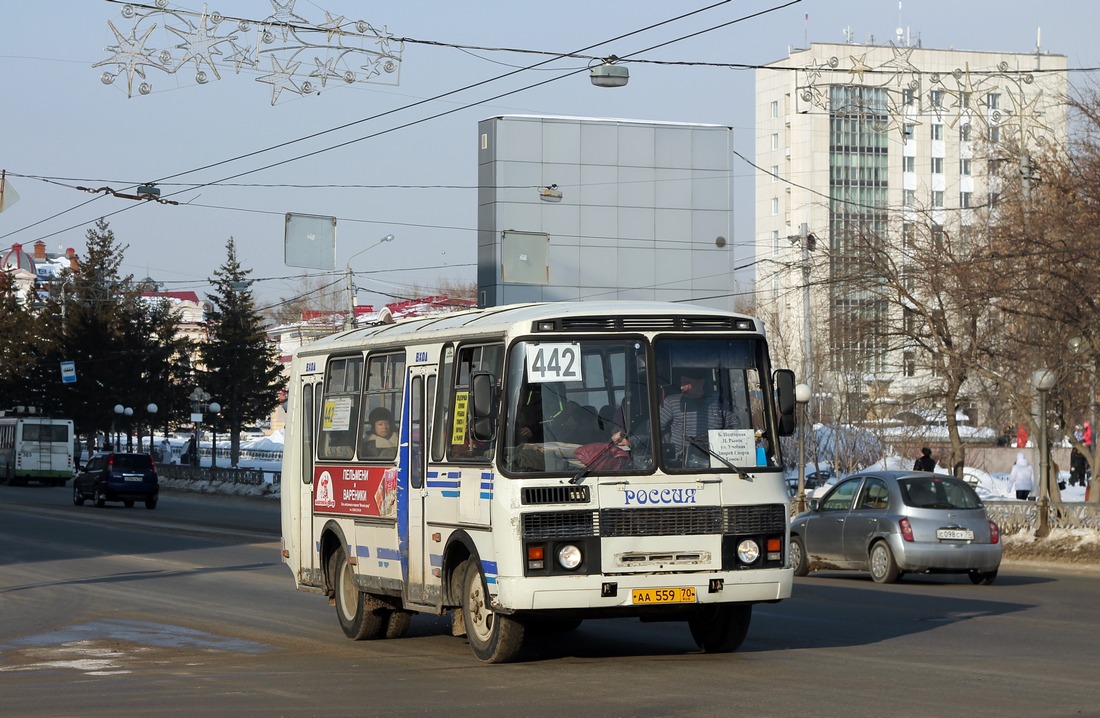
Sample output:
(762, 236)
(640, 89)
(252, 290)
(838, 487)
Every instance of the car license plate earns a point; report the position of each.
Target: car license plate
(652, 596)
(132, 477)
(955, 534)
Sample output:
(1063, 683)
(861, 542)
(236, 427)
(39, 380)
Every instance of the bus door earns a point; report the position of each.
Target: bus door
(302, 475)
(420, 578)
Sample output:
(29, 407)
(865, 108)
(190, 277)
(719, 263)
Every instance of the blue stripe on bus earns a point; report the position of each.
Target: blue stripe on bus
(450, 494)
(362, 551)
(487, 495)
(443, 484)
(436, 560)
(388, 554)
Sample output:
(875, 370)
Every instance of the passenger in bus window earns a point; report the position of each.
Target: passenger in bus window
(687, 415)
(382, 442)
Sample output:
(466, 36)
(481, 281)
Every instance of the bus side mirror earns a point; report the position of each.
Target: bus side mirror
(784, 390)
(483, 401)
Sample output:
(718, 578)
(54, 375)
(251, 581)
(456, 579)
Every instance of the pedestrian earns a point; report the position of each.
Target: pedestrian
(165, 451)
(1076, 467)
(925, 462)
(191, 452)
(1022, 477)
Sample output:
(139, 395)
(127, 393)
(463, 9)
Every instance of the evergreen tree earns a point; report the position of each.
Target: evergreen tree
(17, 342)
(240, 368)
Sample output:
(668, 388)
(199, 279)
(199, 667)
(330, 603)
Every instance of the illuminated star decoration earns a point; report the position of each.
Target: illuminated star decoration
(201, 46)
(859, 66)
(280, 78)
(130, 55)
(334, 49)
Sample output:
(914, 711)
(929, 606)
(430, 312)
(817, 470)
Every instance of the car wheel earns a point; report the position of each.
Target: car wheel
(360, 615)
(798, 557)
(884, 569)
(720, 627)
(982, 578)
(78, 498)
(99, 499)
(397, 623)
(494, 638)
(151, 503)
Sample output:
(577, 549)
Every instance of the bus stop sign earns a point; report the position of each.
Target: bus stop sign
(68, 372)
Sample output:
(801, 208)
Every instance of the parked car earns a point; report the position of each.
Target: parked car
(811, 481)
(896, 522)
(116, 476)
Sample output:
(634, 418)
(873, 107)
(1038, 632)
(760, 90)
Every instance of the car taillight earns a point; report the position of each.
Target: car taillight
(994, 533)
(906, 529)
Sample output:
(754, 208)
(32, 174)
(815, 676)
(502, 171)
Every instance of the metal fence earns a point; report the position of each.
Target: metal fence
(252, 477)
(1015, 516)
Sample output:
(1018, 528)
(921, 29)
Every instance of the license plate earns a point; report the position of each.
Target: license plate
(652, 596)
(133, 477)
(955, 534)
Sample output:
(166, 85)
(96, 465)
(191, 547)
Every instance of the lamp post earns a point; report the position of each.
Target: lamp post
(152, 411)
(349, 321)
(1078, 346)
(802, 398)
(200, 403)
(121, 411)
(1042, 380)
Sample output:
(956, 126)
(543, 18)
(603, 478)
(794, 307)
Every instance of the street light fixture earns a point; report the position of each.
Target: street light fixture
(349, 321)
(802, 398)
(152, 411)
(608, 74)
(1042, 380)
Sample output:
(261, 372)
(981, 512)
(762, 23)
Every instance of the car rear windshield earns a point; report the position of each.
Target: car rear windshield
(132, 462)
(938, 492)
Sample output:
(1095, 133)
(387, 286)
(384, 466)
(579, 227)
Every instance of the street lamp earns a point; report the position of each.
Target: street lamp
(802, 398)
(200, 403)
(152, 411)
(1042, 380)
(349, 321)
(121, 411)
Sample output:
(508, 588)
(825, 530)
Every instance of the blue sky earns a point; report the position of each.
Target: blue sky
(416, 182)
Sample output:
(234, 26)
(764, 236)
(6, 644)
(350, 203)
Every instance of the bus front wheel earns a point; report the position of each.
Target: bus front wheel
(720, 627)
(494, 638)
(358, 614)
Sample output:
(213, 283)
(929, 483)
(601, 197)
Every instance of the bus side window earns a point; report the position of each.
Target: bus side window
(340, 408)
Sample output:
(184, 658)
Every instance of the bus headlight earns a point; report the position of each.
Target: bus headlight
(748, 551)
(569, 557)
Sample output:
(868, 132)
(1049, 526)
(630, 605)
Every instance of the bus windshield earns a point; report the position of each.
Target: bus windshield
(599, 403)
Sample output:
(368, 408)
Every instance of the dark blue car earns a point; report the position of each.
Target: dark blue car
(115, 476)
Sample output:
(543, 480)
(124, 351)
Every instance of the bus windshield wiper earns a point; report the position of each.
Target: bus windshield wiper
(698, 444)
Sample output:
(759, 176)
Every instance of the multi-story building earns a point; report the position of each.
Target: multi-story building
(880, 141)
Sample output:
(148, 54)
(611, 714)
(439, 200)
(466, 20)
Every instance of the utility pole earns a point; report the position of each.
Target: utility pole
(808, 242)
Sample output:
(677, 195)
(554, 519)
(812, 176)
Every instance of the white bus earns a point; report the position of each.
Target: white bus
(503, 501)
(35, 448)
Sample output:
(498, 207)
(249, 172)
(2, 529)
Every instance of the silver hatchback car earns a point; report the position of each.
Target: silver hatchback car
(895, 522)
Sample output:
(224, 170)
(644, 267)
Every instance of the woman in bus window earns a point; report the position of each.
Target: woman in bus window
(382, 442)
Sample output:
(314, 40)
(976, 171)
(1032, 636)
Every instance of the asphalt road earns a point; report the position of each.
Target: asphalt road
(187, 610)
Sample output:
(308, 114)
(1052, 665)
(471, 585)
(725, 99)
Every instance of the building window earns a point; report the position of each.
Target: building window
(909, 129)
(909, 164)
(937, 198)
(994, 134)
(964, 199)
(993, 100)
(775, 206)
(937, 131)
(775, 140)
(964, 132)
(775, 109)
(909, 198)
(937, 98)
(964, 99)
(908, 96)
(775, 242)
(909, 364)
(775, 173)
(993, 197)
(964, 167)
(937, 165)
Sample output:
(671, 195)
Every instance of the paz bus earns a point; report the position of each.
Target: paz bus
(36, 448)
(503, 500)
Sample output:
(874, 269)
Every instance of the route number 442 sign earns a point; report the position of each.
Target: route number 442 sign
(553, 362)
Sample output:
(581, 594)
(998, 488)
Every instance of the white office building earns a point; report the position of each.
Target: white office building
(878, 138)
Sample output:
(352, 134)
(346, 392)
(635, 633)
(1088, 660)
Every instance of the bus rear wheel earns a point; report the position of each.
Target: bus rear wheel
(720, 627)
(494, 638)
(359, 615)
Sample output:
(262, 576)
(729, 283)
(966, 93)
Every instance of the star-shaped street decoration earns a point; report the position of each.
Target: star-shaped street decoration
(859, 66)
(200, 44)
(130, 55)
(280, 78)
(332, 25)
(325, 70)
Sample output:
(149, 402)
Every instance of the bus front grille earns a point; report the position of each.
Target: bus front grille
(560, 524)
(760, 519)
(680, 521)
